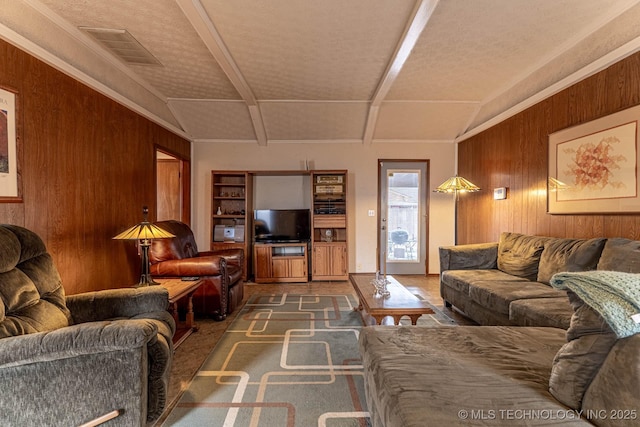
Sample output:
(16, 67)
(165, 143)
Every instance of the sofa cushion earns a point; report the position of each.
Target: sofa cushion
(460, 279)
(498, 295)
(418, 376)
(553, 312)
(575, 365)
(519, 254)
(620, 255)
(616, 386)
(470, 256)
(561, 255)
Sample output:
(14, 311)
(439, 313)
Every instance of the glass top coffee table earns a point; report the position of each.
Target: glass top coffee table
(399, 303)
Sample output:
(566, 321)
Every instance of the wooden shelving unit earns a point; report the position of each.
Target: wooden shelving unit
(231, 212)
(329, 252)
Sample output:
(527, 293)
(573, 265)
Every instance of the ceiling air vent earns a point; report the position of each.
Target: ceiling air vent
(122, 44)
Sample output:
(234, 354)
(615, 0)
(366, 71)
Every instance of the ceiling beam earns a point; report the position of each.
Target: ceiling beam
(421, 15)
(197, 16)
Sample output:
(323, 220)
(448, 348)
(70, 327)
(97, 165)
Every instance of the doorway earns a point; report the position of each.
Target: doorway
(172, 187)
(403, 221)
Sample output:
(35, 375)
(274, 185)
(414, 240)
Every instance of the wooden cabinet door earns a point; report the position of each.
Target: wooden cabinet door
(263, 264)
(289, 268)
(339, 260)
(298, 268)
(330, 261)
(322, 260)
(280, 267)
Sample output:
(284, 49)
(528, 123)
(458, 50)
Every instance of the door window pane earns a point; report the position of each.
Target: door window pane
(403, 215)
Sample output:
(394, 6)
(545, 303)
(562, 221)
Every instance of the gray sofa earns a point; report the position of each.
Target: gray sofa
(417, 376)
(69, 360)
(507, 282)
(514, 375)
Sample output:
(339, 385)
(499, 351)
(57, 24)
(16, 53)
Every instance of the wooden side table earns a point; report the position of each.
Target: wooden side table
(179, 289)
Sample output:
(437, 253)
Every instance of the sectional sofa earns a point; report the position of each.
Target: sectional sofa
(575, 369)
(507, 282)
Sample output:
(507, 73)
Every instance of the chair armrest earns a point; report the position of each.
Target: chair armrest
(469, 257)
(74, 341)
(198, 266)
(233, 256)
(117, 303)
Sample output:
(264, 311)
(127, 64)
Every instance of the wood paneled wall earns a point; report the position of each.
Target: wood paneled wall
(87, 170)
(513, 154)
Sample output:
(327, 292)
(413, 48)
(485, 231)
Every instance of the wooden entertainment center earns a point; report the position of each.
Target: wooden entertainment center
(324, 257)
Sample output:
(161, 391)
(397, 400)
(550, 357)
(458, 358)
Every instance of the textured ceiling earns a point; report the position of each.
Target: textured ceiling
(333, 70)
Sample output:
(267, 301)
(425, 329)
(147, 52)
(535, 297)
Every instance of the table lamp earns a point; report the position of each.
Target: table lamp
(144, 232)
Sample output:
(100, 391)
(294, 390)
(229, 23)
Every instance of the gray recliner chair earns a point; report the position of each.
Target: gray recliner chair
(66, 361)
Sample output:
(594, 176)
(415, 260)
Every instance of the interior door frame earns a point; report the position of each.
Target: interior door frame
(426, 208)
(185, 182)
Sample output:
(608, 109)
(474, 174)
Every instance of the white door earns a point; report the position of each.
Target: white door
(403, 211)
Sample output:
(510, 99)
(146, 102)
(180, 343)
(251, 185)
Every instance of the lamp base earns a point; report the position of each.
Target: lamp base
(145, 276)
(146, 280)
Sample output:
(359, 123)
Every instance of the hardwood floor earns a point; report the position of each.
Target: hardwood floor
(190, 355)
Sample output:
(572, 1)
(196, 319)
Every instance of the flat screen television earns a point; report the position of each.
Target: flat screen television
(282, 225)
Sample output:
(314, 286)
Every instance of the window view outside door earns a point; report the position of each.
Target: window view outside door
(402, 218)
(403, 224)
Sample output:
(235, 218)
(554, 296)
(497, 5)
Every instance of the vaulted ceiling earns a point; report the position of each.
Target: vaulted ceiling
(368, 71)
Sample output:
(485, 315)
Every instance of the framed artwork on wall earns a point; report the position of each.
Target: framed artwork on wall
(593, 167)
(10, 149)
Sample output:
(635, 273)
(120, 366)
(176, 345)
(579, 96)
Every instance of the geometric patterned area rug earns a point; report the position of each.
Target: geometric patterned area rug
(286, 360)
(438, 318)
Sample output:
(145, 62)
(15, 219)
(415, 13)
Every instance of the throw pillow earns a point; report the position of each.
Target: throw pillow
(560, 255)
(620, 255)
(519, 254)
(577, 362)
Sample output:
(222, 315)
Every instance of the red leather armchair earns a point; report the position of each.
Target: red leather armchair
(223, 288)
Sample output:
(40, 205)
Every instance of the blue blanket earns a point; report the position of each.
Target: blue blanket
(614, 295)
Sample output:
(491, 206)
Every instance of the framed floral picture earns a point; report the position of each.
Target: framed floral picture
(10, 150)
(593, 167)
